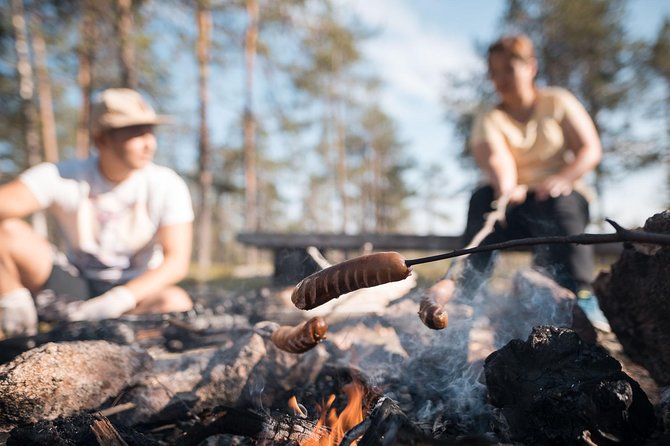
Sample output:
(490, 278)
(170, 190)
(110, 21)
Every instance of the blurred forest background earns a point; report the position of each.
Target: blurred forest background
(311, 120)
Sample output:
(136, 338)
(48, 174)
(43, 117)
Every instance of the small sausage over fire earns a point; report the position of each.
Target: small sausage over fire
(431, 309)
(360, 272)
(302, 337)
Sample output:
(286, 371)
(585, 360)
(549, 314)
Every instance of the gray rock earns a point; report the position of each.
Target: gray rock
(60, 379)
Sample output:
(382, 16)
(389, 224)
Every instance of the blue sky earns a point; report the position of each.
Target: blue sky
(421, 40)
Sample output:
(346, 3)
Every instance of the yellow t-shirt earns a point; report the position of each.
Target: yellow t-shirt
(538, 145)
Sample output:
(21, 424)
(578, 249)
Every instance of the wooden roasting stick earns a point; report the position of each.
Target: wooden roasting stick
(302, 337)
(432, 310)
(378, 268)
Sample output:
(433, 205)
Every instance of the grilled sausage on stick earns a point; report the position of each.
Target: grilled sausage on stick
(345, 277)
(431, 309)
(302, 337)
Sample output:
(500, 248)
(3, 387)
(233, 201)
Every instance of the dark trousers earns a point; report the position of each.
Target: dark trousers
(569, 265)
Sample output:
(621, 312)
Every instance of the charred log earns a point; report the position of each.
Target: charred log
(182, 384)
(201, 331)
(388, 425)
(85, 428)
(555, 389)
(251, 424)
(280, 375)
(105, 433)
(635, 297)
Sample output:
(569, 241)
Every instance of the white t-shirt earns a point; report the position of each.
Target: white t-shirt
(110, 229)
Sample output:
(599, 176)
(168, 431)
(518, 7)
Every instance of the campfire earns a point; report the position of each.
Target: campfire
(521, 366)
(337, 425)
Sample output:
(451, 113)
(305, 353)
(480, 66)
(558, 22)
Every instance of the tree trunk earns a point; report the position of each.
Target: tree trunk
(27, 93)
(340, 136)
(377, 178)
(667, 135)
(204, 20)
(26, 84)
(87, 38)
(47, 120)
(124, 26)
(251, 189)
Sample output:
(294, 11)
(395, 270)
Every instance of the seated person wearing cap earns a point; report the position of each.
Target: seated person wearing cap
(126, 224)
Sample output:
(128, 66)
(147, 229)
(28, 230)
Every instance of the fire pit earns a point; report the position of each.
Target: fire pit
(521, 366)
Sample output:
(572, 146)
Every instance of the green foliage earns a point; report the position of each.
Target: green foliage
(581, 45)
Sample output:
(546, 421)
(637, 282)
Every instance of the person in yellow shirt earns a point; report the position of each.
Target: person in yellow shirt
(534, 148)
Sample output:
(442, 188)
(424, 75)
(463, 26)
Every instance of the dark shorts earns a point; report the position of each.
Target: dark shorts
(64, 281)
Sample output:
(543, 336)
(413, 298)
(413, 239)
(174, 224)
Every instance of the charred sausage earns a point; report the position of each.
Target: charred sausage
(345, 277)
(431, 308)
(432, 314)
(302, 337)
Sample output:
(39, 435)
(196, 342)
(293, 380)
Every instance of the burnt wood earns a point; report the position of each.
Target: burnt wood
(79, 429)
(634, 295)
(251, 424)
(105, 433)
(387, 424)
(555, 389)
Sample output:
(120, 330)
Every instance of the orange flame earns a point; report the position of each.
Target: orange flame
(338, 425)
(293, 405)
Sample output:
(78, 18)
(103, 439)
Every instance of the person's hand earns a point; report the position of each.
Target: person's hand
(18, 316)
(553, 187)
(109, 305)
(514, 196)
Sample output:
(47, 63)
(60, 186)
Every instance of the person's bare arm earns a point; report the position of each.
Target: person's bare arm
(176, 242)
(495, 159)
(582, 138)
(17, 201)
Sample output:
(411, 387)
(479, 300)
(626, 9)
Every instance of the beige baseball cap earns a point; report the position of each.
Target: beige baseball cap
(122, 107)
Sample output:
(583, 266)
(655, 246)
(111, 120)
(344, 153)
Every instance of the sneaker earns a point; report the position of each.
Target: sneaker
(589, 304)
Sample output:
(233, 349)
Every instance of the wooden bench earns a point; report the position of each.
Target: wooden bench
(292, 262)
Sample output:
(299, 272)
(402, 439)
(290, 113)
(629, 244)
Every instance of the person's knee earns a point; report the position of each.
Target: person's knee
(24, 255)
(12, 231)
